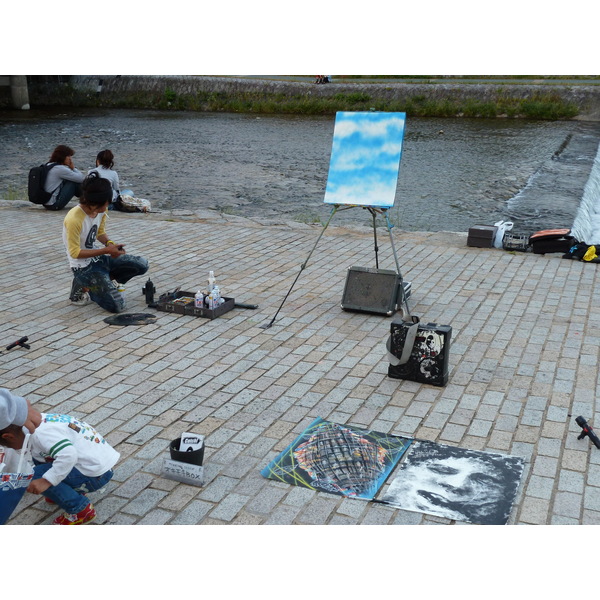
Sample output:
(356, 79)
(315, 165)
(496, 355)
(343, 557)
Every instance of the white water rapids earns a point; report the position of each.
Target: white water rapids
(586, 226)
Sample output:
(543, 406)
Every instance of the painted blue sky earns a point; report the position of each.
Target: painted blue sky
(365, 158)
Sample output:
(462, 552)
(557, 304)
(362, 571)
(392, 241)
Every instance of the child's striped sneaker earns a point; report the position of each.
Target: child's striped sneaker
(84, 516)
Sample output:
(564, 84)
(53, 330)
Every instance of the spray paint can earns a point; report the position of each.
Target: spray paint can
(199, 299)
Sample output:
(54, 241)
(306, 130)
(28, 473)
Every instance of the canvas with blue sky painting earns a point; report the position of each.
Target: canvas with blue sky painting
(365, 159)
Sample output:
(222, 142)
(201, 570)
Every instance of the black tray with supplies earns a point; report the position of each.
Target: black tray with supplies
(182, 303)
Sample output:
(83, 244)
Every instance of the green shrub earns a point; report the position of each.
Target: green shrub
(170, 95)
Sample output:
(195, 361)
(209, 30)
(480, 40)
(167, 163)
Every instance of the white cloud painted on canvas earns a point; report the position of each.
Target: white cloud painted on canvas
(365, 159)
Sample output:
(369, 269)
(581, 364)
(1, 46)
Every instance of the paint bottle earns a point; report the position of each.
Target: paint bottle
(199, 299)
(211, 281)
(121, 290)
(216, 292)
(210, 301)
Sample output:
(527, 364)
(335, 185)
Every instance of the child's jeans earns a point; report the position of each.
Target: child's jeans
(68, 493)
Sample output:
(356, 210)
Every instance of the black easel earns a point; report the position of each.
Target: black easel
(374, 212)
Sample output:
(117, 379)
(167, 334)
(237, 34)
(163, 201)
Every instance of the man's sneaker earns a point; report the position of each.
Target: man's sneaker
(81, 300)
(120, 287)
(84, 516)
(76, 291)
(79, 296)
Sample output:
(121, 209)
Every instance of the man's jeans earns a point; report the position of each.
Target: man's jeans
(98, 274)
(68, 493)
(68, 189)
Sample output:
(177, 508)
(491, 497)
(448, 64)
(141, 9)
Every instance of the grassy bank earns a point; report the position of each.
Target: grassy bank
(500, 103)
(542, 106)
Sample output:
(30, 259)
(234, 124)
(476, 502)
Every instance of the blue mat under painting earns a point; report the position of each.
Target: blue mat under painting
(338, 459)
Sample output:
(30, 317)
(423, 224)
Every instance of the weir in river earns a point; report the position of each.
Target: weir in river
(586, 227)
(560, 193)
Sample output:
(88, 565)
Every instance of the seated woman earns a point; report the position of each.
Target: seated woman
(64, 180)
(95, 266)
(104, 168)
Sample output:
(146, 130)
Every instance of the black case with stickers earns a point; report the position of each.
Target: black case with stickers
(429, 359)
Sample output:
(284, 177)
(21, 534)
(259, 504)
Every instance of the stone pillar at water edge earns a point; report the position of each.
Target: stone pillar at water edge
(19, 91)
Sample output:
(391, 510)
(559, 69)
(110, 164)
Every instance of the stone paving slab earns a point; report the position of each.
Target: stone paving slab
(524, 356)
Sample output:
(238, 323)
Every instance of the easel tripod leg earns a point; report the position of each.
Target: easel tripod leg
(404, 298)
(302, 267)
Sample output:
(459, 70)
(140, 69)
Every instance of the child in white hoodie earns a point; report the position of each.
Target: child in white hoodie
(70, 459)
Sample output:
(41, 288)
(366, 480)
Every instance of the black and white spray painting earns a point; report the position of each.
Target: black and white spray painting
(458, 484)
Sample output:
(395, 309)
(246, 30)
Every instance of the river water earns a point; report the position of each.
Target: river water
(454, 173)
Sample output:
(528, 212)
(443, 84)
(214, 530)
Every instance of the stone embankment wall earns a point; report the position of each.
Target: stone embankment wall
(585, 97)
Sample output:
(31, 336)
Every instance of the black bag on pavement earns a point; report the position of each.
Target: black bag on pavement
(551, 240)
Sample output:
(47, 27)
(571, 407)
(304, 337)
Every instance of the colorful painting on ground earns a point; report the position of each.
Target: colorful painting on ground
(365, 158)
(458, 484)
(338, 459)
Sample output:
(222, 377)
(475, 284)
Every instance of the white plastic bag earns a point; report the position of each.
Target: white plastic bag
(503, 227)
(128, 203)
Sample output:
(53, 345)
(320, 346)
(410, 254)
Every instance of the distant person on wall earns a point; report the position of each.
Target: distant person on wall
(64, 180)
(104, 168)
(96, 268)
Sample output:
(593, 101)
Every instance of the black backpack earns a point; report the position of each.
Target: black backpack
(35, 186)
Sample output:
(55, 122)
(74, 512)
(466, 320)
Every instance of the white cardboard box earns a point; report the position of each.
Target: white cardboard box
(183, 472)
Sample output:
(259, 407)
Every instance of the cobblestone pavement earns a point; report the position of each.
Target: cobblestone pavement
(524, 356)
